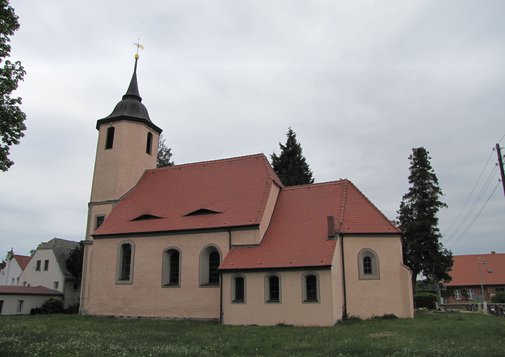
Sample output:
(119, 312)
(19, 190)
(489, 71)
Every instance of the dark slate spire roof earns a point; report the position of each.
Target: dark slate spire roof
(130, 107)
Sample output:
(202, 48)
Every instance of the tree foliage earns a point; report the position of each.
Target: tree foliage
(74, 261)
(11, 117)
(164, 154)
(417, 218)
(290, 165)
(3, 263)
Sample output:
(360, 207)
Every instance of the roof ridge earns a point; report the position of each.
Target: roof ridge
(308, 185)
(235, 158)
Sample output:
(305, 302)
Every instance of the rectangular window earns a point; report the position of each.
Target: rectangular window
(149, 143)
(1, 306)
(109, 142)
(46, 265)
(56, 285)
(311, 288)
(37, 268)
(239, 289)
(470, 294)
(20, 306)
(457, 294)
(273, 289)
(99, 221)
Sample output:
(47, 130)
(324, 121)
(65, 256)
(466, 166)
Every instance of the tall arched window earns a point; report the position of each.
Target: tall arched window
(273, 288)
(368, 265)
(210, 258)
(109, 141)
(171, 267)
(125, 263)
(310, 287)
(149, 143)
(238, 289)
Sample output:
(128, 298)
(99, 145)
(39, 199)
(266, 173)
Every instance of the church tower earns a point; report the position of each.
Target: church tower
(127, 146)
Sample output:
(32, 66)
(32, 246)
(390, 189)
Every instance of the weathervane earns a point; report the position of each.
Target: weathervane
(138, 45)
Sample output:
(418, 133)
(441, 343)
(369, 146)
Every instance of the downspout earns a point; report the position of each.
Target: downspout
(344, 307)
(221, 312)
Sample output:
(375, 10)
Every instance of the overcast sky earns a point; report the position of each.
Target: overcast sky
(360, 82)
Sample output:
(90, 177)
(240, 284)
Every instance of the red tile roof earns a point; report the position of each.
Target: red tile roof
(236, 188)
(465, 270)
(22, 260)
(28, 290)
(298, 232)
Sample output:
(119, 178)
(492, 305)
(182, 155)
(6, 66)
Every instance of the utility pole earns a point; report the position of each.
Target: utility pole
(500, 166)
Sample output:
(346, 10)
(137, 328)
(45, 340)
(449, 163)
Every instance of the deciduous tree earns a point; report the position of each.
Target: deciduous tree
(417, 218)
(290, 165)
(11, 117)
(74, 261)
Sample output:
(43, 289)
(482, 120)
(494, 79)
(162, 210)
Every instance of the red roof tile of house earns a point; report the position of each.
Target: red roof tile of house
(232, 192)
(28, 290)
(298, 232)
(22, 260)
(465, 270)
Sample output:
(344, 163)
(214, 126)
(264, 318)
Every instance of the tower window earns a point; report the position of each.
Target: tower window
(110, 138)
(149, 143)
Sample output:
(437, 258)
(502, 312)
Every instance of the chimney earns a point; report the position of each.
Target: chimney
(331, 227)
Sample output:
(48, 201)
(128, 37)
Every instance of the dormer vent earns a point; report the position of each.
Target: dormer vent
(201, 212)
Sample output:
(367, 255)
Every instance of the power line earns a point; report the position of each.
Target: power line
(471, 193)
(476, 201)
(476, 216)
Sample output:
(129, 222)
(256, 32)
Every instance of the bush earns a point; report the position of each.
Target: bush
(427, 300)
(499, 297)
(72, 309)
(52, 306)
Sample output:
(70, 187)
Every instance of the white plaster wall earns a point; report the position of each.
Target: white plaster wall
(9, 275)
(10, 303)
(32, 277)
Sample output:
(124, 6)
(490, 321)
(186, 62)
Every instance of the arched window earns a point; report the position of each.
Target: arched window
(125, 262)
(273, 288)
(368, 265)
(310, 283)
(238, 289)
(171, 267)
(109, 142)
(149, 143)
(210, 258)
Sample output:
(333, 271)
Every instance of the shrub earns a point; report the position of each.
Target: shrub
(499, 297)
(72, 309)
(427, 300)
(52, 306)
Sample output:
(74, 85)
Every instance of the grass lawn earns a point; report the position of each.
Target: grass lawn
(429, 334)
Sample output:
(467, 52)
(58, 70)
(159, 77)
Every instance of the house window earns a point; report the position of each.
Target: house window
(99, 220)
(368, 265)
(46, 265)
(125, 262)
(149, 143)
(20, 306)
(37, 267)
(56, 284)
(457, 294)
(110, 138)
(469, 293)
(238, 289)
(310, 288)
(273, 288)
(1, 306)
(210, 259)
(171, 267)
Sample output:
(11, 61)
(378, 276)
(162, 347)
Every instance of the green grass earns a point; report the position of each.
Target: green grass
(429, 334)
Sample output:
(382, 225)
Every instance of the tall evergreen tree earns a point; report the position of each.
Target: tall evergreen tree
(74, 261)
(11, 117)
(164, 154)
(290, 165)
(423, 252)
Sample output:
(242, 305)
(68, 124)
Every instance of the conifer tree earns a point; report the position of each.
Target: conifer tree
(11, 117)
(290, 165)
(164, 154)
(423, 252)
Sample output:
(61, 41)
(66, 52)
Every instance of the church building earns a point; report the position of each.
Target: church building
(226, 240)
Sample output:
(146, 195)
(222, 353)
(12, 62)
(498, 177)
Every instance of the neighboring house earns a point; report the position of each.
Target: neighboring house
(15, 264)
(226, 240)
(47, 268)
(19, 300)
(473, 273)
